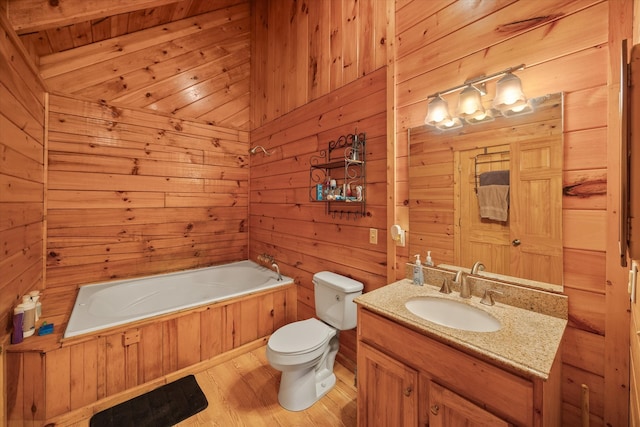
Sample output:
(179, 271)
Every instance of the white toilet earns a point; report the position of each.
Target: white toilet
(305, 350)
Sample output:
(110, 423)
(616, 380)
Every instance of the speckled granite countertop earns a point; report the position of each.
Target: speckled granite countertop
(527, 343)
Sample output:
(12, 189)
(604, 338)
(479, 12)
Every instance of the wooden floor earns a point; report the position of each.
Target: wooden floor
(244, 392)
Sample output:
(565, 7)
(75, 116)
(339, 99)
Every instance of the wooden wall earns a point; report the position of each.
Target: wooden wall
(283, 221)
(196, 68)
(303, 50)
(134, 193)
(318, 73)
(22, 175)
(568, 46)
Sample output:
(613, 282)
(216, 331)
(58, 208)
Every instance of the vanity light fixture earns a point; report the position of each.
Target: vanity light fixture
(509, 101)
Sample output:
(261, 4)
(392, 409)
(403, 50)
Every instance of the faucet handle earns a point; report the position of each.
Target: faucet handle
(445, 288)
(487, 298)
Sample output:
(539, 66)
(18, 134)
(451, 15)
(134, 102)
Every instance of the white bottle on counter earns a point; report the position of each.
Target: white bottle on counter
(418, 275)
(429, 261)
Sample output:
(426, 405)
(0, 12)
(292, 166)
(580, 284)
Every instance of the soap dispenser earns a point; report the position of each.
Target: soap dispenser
(418, 275)
(429, 261)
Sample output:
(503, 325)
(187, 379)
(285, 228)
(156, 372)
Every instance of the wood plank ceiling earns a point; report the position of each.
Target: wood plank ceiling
(115, 42)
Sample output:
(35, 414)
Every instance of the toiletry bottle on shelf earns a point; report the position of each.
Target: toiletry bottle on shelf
(18, 316)
(418, 275)
(29, 319)
(35, 297)
(429, 261)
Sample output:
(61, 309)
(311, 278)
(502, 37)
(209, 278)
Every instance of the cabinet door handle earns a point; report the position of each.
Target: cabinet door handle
(516, 242)
(435, 409)
(407, 391)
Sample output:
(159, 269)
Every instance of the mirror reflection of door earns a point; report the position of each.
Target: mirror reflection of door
(529, 243)
(537, 209)
(484, 240)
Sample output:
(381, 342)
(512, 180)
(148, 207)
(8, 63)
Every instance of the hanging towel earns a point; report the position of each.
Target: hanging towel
(493, 201)
(495, 178)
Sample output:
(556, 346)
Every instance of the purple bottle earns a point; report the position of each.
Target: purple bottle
(18, 317)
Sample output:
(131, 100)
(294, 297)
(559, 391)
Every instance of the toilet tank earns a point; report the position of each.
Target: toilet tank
(334, 295)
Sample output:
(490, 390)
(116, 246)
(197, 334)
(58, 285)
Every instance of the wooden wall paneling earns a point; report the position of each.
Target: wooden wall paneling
(135, 192)
(151, 352)
(247, 324)
(22, 111)
(584, 350)
(337, 34)
(132, 364)
(13, 387)
(337, 44)
(188, 339)
(212, 332)
(304, 239)
(83, 368)
(57, 375)
(319, 79)
(572, 395)
(350, 22)
(116, 364)
(617, 316)
(101, 371)
(584, 269)
(169, 346)
(265, 314)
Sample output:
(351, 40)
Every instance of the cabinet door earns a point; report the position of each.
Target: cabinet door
(387, 394)
(447, 409)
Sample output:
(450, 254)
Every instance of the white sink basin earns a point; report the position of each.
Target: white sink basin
(453, 314)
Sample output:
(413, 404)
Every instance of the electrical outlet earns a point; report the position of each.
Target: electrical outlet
(373, 236)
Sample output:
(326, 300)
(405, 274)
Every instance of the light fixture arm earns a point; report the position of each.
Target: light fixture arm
(477, 81)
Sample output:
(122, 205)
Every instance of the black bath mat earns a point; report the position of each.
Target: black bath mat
(164, 406)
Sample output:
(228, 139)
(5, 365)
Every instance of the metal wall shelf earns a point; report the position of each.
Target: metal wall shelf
(337, 176)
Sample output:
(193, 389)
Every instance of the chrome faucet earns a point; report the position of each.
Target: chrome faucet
(465, 289)
(267, 260)
(477, 266)
(277, 269)
(461, 279)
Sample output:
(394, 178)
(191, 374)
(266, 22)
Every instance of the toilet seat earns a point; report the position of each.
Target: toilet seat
(300, 337)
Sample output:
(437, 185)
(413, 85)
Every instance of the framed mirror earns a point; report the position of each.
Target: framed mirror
(492, 192)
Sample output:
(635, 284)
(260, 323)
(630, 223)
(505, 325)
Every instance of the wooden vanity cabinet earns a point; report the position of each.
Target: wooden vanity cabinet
(408, 379)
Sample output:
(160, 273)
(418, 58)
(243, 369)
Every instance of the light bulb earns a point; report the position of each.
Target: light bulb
(470, 102)
(437, 111)
(509, 94)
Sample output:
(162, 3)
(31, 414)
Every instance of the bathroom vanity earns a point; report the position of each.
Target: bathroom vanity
(413, 372)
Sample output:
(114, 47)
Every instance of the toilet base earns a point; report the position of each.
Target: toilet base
(300, 390)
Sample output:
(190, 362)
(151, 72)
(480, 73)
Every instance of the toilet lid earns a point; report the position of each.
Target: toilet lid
(300, 337)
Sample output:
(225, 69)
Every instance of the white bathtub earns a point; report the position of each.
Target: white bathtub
(104, 305)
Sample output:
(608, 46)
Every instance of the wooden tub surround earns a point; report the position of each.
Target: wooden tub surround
(50, 379)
